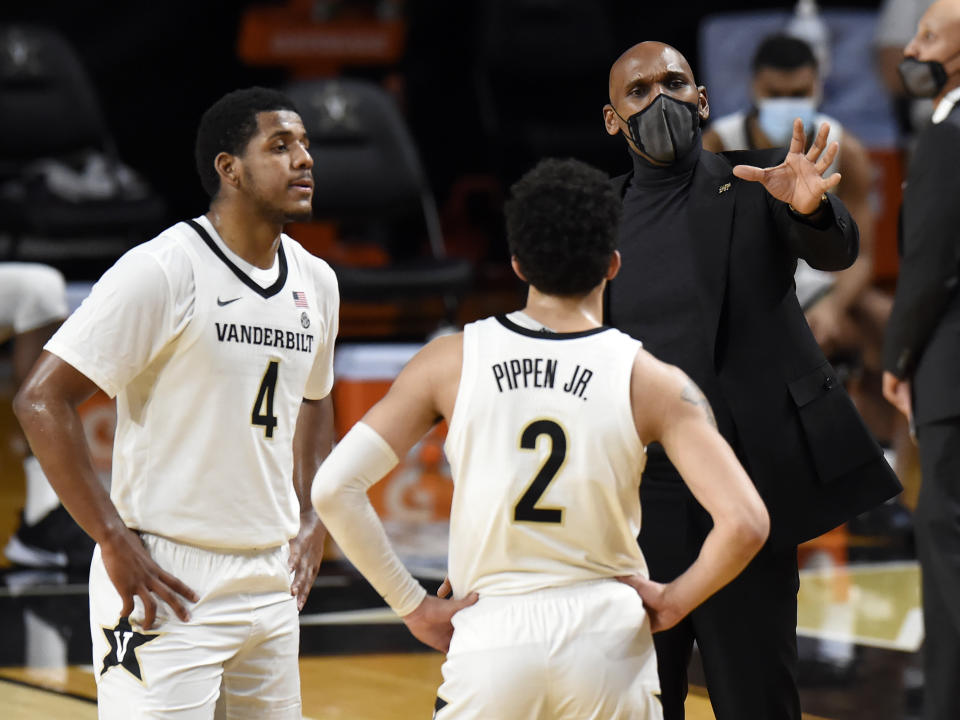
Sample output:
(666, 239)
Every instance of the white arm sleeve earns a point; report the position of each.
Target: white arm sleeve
(339, 495)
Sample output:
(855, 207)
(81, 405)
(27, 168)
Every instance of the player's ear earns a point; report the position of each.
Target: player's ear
(516, 269)
(614, 266)
(228, 168)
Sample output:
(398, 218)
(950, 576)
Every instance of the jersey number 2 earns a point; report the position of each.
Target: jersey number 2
(526, 508)
(264, 401)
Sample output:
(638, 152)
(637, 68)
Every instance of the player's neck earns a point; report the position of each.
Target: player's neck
(566, 314)
(247, 233)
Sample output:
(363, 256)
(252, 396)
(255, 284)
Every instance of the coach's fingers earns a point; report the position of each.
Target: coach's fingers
(827, 158)
(831, 182)
(819, 143)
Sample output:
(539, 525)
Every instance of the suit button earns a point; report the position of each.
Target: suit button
(828, 383)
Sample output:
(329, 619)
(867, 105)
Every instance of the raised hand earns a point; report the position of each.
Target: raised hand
(134, 573)
(798, 180)
(306, 554)
(431, 623)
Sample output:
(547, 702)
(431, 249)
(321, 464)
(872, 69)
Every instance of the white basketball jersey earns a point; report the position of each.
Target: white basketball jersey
(545, 458)
(209, 369)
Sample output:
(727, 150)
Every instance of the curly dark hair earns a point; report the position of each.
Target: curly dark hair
(562, 220)
(228, 125)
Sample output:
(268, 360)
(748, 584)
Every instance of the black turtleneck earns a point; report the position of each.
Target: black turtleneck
(655, 298)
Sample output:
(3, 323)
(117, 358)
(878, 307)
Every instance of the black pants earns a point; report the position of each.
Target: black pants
(746, 632)
(937, 528)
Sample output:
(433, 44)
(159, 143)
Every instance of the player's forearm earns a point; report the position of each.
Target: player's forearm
(740, 520)
(727, 550)
(312, 442)
(353, 523)
(340, 496)
(55, 433)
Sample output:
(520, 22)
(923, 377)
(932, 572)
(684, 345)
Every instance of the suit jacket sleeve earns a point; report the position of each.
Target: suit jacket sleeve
(930, 247)
(831, 242)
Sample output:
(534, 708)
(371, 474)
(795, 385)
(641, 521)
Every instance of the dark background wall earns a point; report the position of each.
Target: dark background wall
(157, 65)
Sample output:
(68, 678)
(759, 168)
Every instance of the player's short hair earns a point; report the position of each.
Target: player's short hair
(783, 52)
(229, 124)
(562, 220)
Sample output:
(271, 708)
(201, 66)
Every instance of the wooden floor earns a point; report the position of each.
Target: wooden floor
(370, 687)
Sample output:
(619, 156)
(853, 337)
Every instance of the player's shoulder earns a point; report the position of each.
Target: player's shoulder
(439, 359)
(167, 251)
(650, 374)
(443, 347)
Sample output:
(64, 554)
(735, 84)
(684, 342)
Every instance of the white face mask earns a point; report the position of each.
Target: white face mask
(776, 116)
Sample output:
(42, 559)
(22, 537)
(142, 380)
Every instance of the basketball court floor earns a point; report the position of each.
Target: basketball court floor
(859, 624)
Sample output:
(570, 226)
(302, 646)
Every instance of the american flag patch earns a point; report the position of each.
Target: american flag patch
(299, 299)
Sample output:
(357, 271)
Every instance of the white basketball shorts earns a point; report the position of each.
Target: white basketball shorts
(243, 634)
(577, 652)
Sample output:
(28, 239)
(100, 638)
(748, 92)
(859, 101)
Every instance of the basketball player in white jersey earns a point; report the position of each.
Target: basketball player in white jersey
(33, 303)
(549, 413)
(216, 338)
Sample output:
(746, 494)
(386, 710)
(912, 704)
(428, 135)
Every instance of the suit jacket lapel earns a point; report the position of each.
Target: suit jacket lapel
(712, 197)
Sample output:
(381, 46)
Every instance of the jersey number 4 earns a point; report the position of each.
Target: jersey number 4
(526, 509)
(263, 406)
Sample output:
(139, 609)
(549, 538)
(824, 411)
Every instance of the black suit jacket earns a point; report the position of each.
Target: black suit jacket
(798, 434)
(923, 335)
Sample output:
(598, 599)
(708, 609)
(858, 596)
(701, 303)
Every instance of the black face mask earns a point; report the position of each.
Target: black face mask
(922, 79)
(664, 130)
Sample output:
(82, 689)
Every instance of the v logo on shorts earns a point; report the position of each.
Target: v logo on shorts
(124, 643)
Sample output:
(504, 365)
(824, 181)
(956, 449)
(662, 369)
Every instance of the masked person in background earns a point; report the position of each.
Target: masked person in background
(846, 313)
(922, 347)
(709, 247)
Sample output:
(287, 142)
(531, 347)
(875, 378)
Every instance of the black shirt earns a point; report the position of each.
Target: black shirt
(655, 297)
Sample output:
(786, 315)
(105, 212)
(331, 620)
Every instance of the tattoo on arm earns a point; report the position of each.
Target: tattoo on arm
(694, 395)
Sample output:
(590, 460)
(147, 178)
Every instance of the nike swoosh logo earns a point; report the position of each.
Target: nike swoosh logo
(221, 303)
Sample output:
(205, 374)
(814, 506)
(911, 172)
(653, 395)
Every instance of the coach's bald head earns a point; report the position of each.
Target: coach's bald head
(642, 73)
